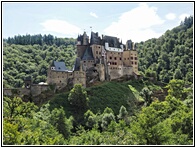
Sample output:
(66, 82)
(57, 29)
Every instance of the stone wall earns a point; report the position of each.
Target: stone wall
(38, 89)
(127, 71)
(101, 70)
(20, 92)
(97, 51)
(59, 78)
(115, 72)
(87, 64)
(79, 78)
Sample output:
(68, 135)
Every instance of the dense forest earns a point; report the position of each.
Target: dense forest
(110, 113)
(170, 56)
(22, 58)
(168, 122)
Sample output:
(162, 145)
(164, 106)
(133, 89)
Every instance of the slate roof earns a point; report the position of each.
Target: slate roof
(95, 39)
(88, 55)
(77, 64)
(60, 66)
(113, 41)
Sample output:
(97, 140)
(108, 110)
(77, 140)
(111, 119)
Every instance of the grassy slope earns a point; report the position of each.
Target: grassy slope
(108, 94)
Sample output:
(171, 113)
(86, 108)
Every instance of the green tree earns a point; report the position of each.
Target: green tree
(146, 94)
(14, 107)
(62, 124)
(90, 119)
(106, 120)
(122, 113)
(79, 102)
(176, 88)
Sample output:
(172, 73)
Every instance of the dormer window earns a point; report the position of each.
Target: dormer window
(52, 68)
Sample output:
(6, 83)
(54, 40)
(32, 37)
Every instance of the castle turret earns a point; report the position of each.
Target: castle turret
(85, 39)
(129, 45)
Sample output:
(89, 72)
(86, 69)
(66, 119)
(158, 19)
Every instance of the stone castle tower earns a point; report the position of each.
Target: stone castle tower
(98, 59)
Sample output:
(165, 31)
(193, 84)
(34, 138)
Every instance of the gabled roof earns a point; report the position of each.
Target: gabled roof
(88, 55)
(60, 66)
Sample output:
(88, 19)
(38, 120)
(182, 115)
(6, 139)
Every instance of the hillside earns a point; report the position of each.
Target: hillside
(170, 56)
(133, 112)
(108, 94)
(22, 59)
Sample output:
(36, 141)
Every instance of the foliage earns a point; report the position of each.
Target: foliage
(78, 102)
(35, 60)
(23, 124)
(146, 94)
(170, 56)
(14, 107)
(122, 113)
(177, 89)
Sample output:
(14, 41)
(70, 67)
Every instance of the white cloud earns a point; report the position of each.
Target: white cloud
(93, 14)
(182, 16)
(170, 16)
(136, 24)
(61, 27)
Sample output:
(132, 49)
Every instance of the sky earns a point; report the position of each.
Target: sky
(138, 21)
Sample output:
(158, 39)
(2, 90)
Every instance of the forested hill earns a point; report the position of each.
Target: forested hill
(165, 58)
(170, 56)
(40, 40)
(31, 55)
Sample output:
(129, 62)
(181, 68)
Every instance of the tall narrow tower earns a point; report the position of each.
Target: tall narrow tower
(85, 39)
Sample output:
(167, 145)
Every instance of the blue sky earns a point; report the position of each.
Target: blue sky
(125, 20)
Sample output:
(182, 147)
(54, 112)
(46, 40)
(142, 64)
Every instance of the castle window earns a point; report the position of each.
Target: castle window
(131, 58)
(100, 53)
(60, 81)
(135, 58)
(110, 58)
(84, 61)
(132, 63)
(135, 63)
(125, 58)
(120, 58)
(114, 58)
(96, 52)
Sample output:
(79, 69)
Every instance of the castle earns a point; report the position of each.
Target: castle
(98, 59)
